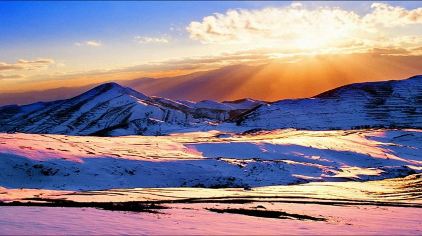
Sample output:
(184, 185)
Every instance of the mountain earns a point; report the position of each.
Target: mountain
(198, 86)
(271, 81)
(110, 110)
(113, 110)
(372, 104)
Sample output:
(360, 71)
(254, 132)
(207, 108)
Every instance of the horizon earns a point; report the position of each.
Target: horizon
(87, 88)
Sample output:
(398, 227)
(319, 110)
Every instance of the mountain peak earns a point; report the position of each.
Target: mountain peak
(391, 104)
(415, 77)
(109, 86)
(115, 88)
(380, 88)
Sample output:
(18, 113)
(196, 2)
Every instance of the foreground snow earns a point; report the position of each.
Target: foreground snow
(207, 159)
(42, 177)
(404, 191)
(386, 207)
(186, 219)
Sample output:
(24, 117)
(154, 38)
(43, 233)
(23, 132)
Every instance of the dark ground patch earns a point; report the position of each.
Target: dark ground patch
(132, 206)
(266, 214)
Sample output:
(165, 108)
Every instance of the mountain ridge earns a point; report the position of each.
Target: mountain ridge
(393, 103)
(113, 110)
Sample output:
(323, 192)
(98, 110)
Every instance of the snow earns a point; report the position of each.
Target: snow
(382, 207)
(375, 104)
(396, 191)
(212, 104)
(185, 220)
(209, 159)
(213, 152)
(244, 103)
(110, 110)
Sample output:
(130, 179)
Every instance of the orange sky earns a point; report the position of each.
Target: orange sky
(272, 80)
(277, 79)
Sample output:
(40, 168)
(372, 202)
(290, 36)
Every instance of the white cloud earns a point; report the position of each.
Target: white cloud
(89, 43)
(26, 64)
(14, 76)
(286, 23)
(146, 39)
(298, 27)
(392, 16)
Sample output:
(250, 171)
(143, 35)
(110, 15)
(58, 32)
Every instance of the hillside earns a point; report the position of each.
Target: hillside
(110, 110)
(372, 104)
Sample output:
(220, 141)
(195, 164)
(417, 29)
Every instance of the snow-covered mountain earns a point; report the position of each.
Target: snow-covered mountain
(396, 103)
(111, 110)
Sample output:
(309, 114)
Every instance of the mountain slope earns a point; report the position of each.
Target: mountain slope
(372, 104)
(113, 110)
(109, 110)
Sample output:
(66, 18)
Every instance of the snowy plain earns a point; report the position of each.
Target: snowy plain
(315, 182)
(207, 159)
(241, 167)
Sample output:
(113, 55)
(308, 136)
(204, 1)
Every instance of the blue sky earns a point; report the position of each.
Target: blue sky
(41, 23)
(48, 29)
(55, 20)
(24, 26)
(67, 21)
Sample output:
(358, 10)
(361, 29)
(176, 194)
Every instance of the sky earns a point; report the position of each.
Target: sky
(54, 44)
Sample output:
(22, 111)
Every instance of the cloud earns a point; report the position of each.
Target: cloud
(392, 16)
(202, 62)
(187, 64)
(26, 64)
(4, 76)
(390, 51)
(146, 39)
(298, 27)
(288, 23)
(89, 43)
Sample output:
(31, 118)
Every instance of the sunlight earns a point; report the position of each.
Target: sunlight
(210, 118)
